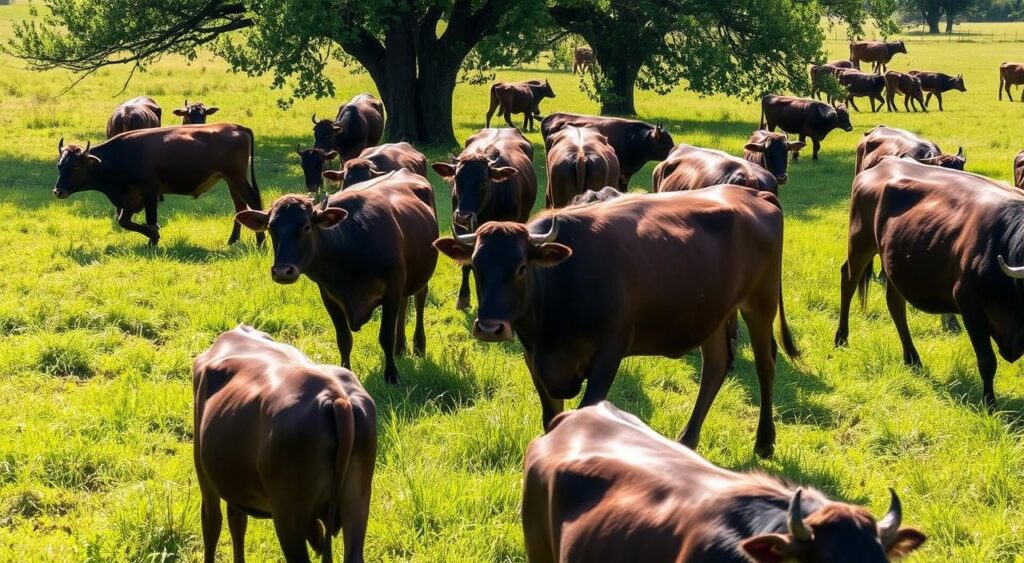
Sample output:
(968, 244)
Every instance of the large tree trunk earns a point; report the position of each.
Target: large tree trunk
(933, 18)
(950, 18)
(620, 74)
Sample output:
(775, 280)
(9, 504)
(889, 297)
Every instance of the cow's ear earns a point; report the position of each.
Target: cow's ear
(754, 147)
(253, 219)
(181, 112)
(906, 541)
(444, 169)
(213, 110)
(327, 218)
(794, 146)
(454, 250)
(769, 548)
(330, 155)
(549, 254)
(502, 173)
(334, 175)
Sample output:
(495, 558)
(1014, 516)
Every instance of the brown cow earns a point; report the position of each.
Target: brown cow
(936, 83)
(279, 436)
(578, 160)
(803, 117)
(1010, 74)
(377, 161)
(1018, 170)
(582, 60)
(136, 113)
(693, 168)
(879, 53)
(821, 76)
(518, 97)
(548, 283)
(603, 486)
(314, 163)
(195, 113)
(365, 247)
(865, 85)
(771, 151)
(906, 84)
(885, 141)
(359, 124)
(135, 169)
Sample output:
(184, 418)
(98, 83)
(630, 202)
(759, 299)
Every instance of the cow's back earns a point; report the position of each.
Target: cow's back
(884, 141)
(693, 168)
(396, 156)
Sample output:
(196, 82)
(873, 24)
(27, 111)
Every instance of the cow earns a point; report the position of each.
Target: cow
(582, 60)
(376, 161)
(862, 84)
(906, 84)
(548, 283)
(947, 240)
(314, 163)
(1010, 74)
(770, 151)
(936, 83)
(1018, 170)
(884, 141)
(492, 180)
(693, 168)
(878, 53)
(824, 79)
(803, 117)
(843, 63)
(279, 436)
(606, 193)
(364, 247)
(359, 124)
(579, 159)
(518, 97)
(636, 143)
(195, 114)
(137, 113)
(135, 169)
(603, 486)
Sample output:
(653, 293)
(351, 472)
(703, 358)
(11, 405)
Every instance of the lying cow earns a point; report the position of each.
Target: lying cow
(492, 180)
(135, 169)
(692, 168)
(878, 53)
(377, 161)
(771, 151)
(195, 114)
(883, 141)
(636, 143)
(548, 283)
(582, 60)
(602, 486)
(279, 436)
(579, 159)
(906, 84)
(1010, 74)
(365, 247)
(518, 97)
(862, 85)
(359, 124)
(606, 193)
(803, 117)
(936, 83)
(136, 113)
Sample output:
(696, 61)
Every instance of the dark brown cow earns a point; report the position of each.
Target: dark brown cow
(693, 168)
(906, 84)
(365, 247)
(195, 114)
(518, 97)
(279, 436)
(359, 124)
(803, 117)
(314, 162)
(821, 76)
(582, 60)
(377, 161)
(1010, 74)
(548, 283)
(492, 180)
(606, 193)
(862, 85)
(603, 486)
(636, 143)
(936, 83)
(1018, 170)
(136, 113)
(135, 169)
(771, 151)
(878, 53)
(579, 159)
(943, 236)
(885, 141)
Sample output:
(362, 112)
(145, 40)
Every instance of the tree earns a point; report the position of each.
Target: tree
(954, 8)
(929, 11)
(413, 50)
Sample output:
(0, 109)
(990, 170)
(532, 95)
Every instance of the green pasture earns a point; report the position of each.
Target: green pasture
(98, 331)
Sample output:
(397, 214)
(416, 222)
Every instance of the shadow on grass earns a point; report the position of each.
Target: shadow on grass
(427, 387)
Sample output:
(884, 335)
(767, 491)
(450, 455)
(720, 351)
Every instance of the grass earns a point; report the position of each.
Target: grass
(97, 334)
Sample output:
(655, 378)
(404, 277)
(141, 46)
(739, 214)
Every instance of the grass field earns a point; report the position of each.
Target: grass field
(97, 334)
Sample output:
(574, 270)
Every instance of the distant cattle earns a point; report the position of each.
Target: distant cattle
(906, 84)
(824, 79)
(518, 97)
(136, 113)
(1010, 74)
(492, 180)
(377, 161)
(936, 83)
(692, 168)
(364, 247)
(279, 436)
(195, 113)
(878, 53)
(950, 242)
(636, 143)
(566, 284)
(803, 117)
(603, 486)
(883, 141)
(582, 60)
(862, 85)
(359, 124)
(135, 169)
(579, 159)
(606, 193)
(771, 151)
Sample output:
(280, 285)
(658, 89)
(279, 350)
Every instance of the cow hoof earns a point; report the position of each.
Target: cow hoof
(419, 349)
(841, 340)
(391, 377)
(462, 303)
(400, 349)
(913, 361)
(154, 241)
(950, 323)
(764, 451)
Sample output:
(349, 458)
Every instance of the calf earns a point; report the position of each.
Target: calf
(364, 247)
(885, 141)
(770, 151)
(1010, 74)
(359, 124)
(937, 83)
(279, 436)
(879, 53)
(136, 113)
(579, 159)
(518, 97)
(906, 84)
(195, 114)
(803, 117)
(582, 60)
(135, 169)
(603, 486)
(374, 162)
(861, 84)
(692, 168)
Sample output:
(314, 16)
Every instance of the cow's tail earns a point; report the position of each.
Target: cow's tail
(252, 166)
(581, 170)
(864, 283)
(494, 105)
(763, 125)
(1001, 82)
(787, 337)
(345, 424)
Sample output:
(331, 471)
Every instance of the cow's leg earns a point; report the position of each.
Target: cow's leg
(950, 324)
(342, 332)
(400, 346)
(527, 118)
(816, 145)
(714, 352)
(601, 372)
(240, 205)
(463, 301)
(853, 102)
(386, 337)
(890, 103)
(508, 118)
(124, 219)
(852, 274)
(938, 96)
(762, 345)
(898, 311)
(238, 521)
(796, 154)
(976, 325)
(549, 406)
(291, 534)
(906, 102)
(212, 521)
(1009, 93)
(355, 497)
(928, 99)
(419, 336)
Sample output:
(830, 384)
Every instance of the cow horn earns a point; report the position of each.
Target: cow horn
(468, 239)
(298, 148)
(549, 236)
(890, 523)
(60, 145)
(88, 145)
(1015, 272)
(314, 118)
(797, 529)
(960, 152)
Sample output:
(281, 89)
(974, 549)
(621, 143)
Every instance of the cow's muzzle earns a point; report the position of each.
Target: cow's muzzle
(61, 193)
(492, 331)
(465, 221)
(284, 273)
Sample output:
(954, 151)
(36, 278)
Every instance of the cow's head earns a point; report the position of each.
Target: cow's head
(952, 161)
(503, 255)
(837, 117)
(76, 169)
(836, 533)
(473, 178)
(325, 133)
(899, 47)
(294, 222)
(659, 143)
(774, 149)
(546, 91)
(958, 83)
(194, 114)
(355, 171)
(313, 163)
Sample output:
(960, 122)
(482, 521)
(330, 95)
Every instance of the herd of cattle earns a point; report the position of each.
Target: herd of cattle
(280, 436)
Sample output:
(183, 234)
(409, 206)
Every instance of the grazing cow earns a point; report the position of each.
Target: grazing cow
(770, 151)
(878, 53)
(279, 436)
(821, 77)
(885, 141)
(693, 168)
(803, 117)
(636, 143)
(314, 163)
(548, 283)
(1010, 74)
(492, 180)
(359, 124)
(906, 84)
(937, 83)
(946, 238)
(518, 97)
(579, 159)
(606, 193)
(603, 486)
(195, 114)
(862, 84)
(1018, 170)
(377, 161)
(136, 113)
(365, 247)
(582, 60)
(135, 169)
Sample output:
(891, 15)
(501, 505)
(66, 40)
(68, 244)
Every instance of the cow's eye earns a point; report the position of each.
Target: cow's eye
(521, 270)
(307, 227)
